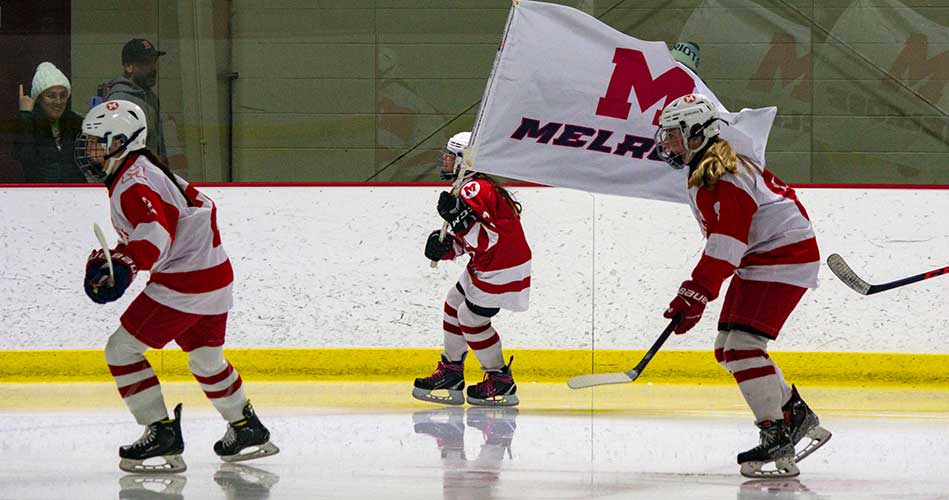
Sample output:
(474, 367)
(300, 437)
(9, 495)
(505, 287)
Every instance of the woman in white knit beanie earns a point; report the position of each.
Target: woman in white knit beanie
(47, 129)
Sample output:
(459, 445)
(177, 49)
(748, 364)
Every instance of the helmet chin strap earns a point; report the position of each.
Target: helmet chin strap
(114, 159)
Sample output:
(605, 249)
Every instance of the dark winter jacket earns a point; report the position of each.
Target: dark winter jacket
(35, 147)
(123, 89)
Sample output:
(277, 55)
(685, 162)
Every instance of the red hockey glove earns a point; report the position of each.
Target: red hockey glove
(690, 302)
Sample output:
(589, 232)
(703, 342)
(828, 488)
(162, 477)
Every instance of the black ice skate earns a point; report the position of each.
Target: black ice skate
(162, 439)
(447, 426)
(497, 388)
(245, 439)
(803, 422)
(448, 376)
(775, 447)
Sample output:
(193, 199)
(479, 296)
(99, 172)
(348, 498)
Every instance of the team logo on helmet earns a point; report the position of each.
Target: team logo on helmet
(470, 190)
(112, 105)
(689, 98)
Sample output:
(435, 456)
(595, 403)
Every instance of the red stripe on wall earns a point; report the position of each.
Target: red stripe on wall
(438, 184)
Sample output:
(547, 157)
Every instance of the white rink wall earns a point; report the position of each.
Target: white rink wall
(343, 267)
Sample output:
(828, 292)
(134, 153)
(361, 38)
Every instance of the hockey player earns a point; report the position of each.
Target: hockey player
(485, 223)
(169, 228)
(758, 231)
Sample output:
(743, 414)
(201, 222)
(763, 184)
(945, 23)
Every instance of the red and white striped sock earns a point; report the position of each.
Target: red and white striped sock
(136, 380)
(760, 380)
(219, 380)
(455, 345)
(481, 337)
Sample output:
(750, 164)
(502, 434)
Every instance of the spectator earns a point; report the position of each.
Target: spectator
(46, 129)
(140, 64)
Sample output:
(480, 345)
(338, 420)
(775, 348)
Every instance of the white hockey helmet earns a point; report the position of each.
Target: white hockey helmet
(110, 131)
(688, 117)
(452, 156)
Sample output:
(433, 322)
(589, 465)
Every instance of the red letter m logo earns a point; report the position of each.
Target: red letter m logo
(913, 65)
(632, 72)
(782, 60)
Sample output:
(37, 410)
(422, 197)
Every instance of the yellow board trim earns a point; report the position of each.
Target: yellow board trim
(530, 365)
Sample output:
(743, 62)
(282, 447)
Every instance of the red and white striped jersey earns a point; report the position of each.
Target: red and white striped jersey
(757, 228)
(499, 273)
(173, 235)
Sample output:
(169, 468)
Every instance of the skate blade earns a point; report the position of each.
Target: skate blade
(157, 484)
(509, 400)
(451, 415)
(783, 467)
(170, 464)
(252, 453)
(454, 398)
(819, 437)
(245, 475)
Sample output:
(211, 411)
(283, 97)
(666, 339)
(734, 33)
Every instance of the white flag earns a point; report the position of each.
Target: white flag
(572, 102)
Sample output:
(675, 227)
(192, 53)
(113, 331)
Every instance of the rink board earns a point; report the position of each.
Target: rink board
(687, 367)
(328, 290)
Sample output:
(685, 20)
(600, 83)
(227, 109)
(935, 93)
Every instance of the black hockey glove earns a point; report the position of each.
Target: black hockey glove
(98, 285)
(455, 211)
(436, 250)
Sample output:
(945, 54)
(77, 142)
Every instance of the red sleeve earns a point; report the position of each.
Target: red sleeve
(728, 211)
(153, 224)
(481, 196)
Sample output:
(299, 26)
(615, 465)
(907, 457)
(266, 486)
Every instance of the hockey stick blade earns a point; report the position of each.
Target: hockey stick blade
(594, 379)
(839, 266)
(105, 248)
(850, 278)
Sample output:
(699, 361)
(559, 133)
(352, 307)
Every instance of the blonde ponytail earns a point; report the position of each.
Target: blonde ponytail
(719, 159)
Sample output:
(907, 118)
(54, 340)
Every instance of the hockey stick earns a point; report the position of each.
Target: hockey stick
(105, 248)
(583, 381)
(837, 264)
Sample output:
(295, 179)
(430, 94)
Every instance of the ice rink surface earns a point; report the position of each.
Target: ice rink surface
(654, 445)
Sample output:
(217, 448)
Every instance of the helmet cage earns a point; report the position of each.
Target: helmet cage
(689, 117)
(89, 164)
(453, 154)
(456, 159)
(665, 136)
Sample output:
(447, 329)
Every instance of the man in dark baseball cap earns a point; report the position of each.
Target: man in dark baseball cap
(140, 72)
(138, 50)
